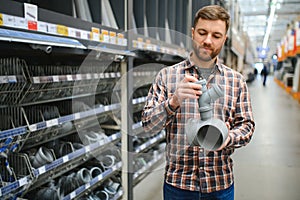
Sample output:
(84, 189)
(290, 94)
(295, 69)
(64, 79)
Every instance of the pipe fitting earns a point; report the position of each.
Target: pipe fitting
(83, 176)
(207, 132)
(42, 157)
(95, 171)
(46, 48)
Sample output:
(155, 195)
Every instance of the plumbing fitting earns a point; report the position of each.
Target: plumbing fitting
(83, 176)
(95, 171)
(42, 157)
(209, 133)
(46, 48)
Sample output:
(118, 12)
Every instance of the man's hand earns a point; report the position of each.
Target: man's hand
(187, 88)
(226, 140)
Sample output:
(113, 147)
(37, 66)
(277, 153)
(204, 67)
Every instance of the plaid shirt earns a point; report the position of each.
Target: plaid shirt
(192, 167)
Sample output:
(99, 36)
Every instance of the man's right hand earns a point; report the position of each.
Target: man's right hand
(187, 88)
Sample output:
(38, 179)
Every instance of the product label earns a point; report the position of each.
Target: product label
(62, 30)
(1, 19)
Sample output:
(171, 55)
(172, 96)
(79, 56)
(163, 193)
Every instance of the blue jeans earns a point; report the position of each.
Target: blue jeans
(173, 193)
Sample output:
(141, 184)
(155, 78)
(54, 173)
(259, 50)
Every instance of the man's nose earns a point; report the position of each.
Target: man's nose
(208, 39)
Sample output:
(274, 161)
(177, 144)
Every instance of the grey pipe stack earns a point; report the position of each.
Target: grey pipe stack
(209, 133)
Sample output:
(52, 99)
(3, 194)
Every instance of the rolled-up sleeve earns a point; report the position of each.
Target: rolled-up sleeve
(157, 113)
(243, 125)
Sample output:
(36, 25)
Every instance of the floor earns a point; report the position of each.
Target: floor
(269, 167)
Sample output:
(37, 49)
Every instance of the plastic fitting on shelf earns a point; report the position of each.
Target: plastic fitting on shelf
(83, 176)
(42, 157)
(46, 48)
(209, 133)
(107, 161)
(102, 195)
(95, 171)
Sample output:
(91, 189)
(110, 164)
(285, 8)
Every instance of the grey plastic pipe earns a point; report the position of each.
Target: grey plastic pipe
(209, 133)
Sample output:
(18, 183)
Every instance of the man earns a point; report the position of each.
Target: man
(192, 172)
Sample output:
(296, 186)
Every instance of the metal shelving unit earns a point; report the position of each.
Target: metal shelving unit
(38, 93)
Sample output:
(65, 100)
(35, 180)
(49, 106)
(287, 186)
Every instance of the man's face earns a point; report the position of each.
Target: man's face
(209, 37)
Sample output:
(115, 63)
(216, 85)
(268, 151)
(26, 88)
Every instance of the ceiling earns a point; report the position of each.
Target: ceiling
(254, 17)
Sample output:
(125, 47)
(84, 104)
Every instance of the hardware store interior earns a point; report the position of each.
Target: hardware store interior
(75, 74)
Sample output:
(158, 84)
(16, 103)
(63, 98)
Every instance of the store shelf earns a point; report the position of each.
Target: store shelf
(36, 38)
(94, 182)
(158, 138)
(43, 173)
(147, 168)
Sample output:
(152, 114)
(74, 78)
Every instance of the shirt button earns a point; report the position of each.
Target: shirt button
(201, 150)
(201, 168)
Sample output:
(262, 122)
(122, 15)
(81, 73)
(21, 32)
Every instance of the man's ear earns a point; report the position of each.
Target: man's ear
(193, 32)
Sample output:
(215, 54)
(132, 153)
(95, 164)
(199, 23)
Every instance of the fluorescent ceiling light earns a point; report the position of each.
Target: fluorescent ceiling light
(270, 23)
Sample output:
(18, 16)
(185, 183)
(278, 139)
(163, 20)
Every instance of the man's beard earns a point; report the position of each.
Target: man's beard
(203, 55)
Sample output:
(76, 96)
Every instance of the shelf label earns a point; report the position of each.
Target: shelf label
(65, 159)
(1, 23)
(36, 79)
(52, 122)
(52, 28)
(72, 32)
(42, 170)
(20, 23)
(33, 127)
(43, 27)
(72, 195)
(69, 77)
(62, 30)
(88, 76)
(55, 78)
(78, 77)
(32, 25)
(77, 116)
(30, 12)
(12, 79)
(23, 181)
(95, 34)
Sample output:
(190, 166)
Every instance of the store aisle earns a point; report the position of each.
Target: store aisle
(269, 167)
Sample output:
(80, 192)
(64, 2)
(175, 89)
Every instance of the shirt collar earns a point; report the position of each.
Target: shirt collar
(190, 63)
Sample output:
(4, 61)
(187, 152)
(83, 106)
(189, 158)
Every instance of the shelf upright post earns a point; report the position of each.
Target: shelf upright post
(126, 109)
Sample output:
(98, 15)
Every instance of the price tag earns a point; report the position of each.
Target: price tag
(106, 75)
(55, 78)
(72, 195)
(32, 25)
(52, 122)
(87, 185)
(65, 159)
(113, 75)
(33, 127)
(23, 181)
(87, 149)
(36, 79)
(12, 79)
(42, 170)
(43, 27)
(0, 193)
(88, 76)
(77, 116)
(102, 75)
(3, 79)
(1, 23)
(78, 77)
(69, 77)
(72, 32)
(52, 28)
(62, 30)
(20, 23)
(96, 76)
